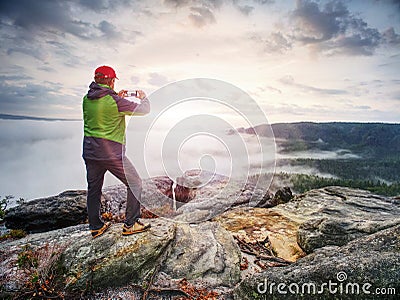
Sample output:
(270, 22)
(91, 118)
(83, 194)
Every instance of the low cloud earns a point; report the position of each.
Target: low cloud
(201, 16)
(245, 9)
(202, 12)
(21, 96)
(327, 28)
(157, 80)
(391, 37)
(332, 29)
(289, 80)
(101, 6)
(109, 31)
(275, 42)
(48, 15)
(39, 28)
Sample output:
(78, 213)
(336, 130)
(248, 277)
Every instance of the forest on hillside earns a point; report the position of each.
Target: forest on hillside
(367, 155)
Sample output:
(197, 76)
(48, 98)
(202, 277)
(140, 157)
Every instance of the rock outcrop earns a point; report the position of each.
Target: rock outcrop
(204, 202)
(205, 254)
(327, 216)
(355, 270)
(45, 214)
(114, 259)
(317, 235)
(259, 223)
(337, 215)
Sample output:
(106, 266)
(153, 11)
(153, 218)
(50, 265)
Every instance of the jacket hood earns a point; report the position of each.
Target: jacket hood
(97, 91)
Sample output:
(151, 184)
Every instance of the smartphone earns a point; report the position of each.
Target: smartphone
(131, 94)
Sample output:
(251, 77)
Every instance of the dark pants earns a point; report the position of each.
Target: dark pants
(124, 171)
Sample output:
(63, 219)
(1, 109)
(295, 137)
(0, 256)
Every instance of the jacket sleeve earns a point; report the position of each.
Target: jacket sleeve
(127, 107)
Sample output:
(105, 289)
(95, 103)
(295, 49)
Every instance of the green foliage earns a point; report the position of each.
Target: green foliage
(386, 169)
(303, 182)
(39, 267)
(3, 206)
(26, 258)
(375, 140)
(14, 234)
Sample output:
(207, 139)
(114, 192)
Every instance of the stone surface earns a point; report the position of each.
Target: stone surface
(156, 191)
(257, 223)
(373, 259)
(344, 230)
(336, 215)
(205, 252)
(13, 278)
(115, 260)
(205, 200)
(45, 214)
(69, 208)
(206, 197)
(283, 195)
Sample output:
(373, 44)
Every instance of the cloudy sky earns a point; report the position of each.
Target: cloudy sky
(300, 60)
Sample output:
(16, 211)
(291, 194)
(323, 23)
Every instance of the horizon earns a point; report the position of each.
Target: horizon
(39, 118)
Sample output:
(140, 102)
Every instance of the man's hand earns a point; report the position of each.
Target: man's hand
(123, 93)
(140, 94)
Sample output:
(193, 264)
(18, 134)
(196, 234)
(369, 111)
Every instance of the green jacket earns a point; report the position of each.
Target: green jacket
(104, 121)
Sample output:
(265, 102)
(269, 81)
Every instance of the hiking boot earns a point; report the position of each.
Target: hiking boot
(135, 228)
(97, 232)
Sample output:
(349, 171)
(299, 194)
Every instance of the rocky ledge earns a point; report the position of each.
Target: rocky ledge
(344, 237)
(194, 202)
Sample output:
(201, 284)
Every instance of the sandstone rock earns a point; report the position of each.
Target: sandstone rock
(214, 199)
(12, 278)
(69, 208)
(283, 195)
(211, 196)
(267, 201)
(115, 260)
(204, 252)
(156, 191)
(372, 261)
(328, 216)
(257, 223)
(336, 215)
(44, 214)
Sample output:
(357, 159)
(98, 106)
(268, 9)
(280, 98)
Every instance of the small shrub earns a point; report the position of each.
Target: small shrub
(21, 201)
(3, 206)
(13, 234)
(38, 272)
(17, 233)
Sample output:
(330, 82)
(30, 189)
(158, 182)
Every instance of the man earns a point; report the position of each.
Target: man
(104, 148)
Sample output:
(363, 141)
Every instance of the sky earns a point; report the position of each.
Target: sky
(303, 60)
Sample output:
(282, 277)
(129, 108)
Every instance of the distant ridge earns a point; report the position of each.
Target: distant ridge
(372, 139)
(16, 117)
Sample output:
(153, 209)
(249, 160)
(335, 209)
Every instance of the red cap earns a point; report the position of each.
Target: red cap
(105, 72)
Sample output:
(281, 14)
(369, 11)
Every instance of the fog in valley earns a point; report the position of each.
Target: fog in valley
(43, 158)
